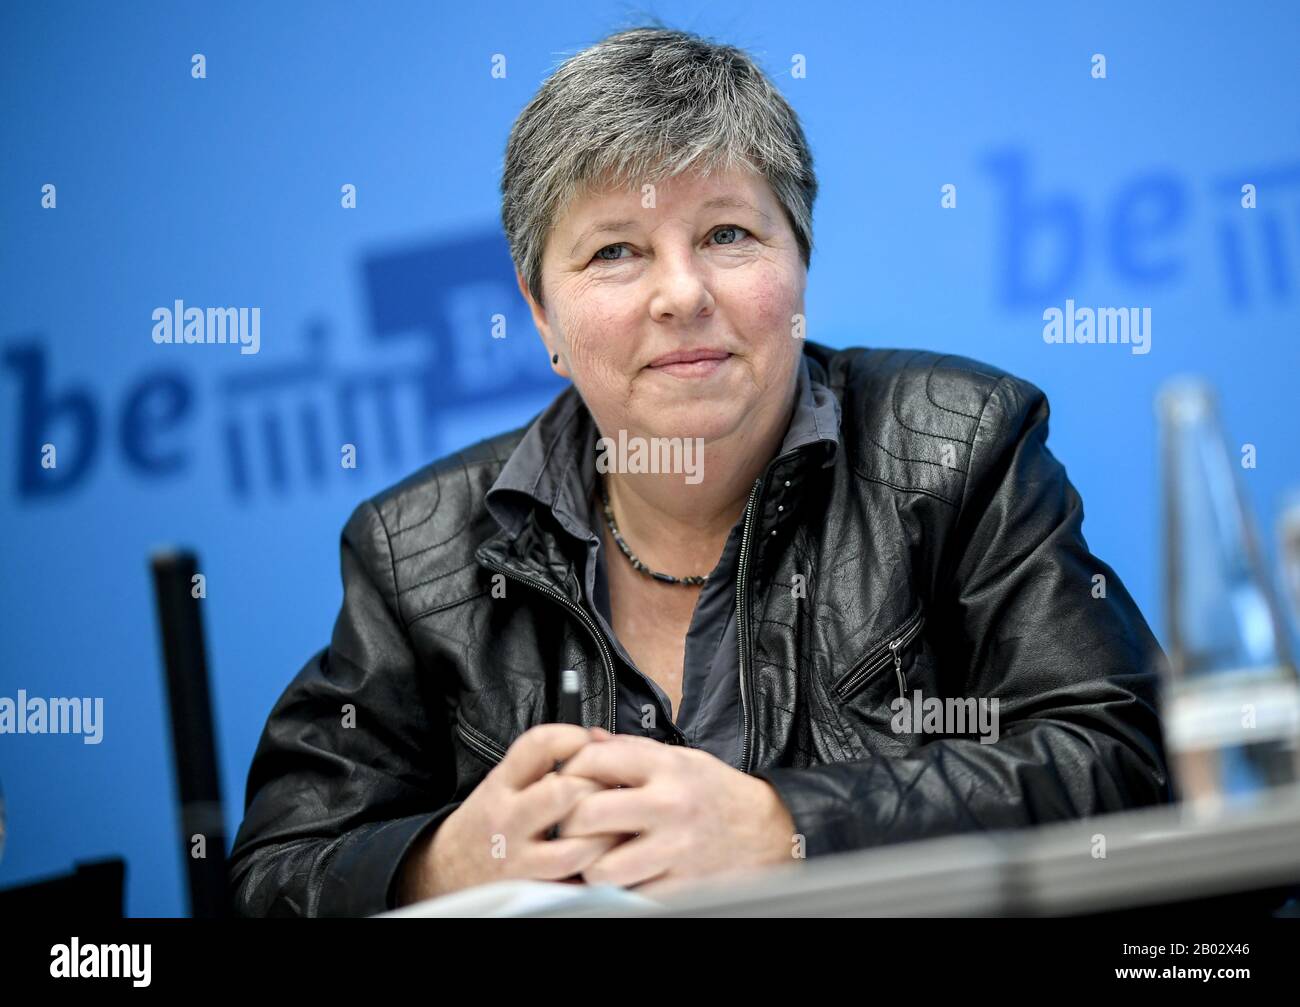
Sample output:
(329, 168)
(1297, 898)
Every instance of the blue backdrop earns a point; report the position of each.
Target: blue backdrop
(226, 190)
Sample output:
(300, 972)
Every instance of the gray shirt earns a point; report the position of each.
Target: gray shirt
(710, 714)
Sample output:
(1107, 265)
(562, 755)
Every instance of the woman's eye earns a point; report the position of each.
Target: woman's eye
(729, 235)
(731, 229)
(607, 248)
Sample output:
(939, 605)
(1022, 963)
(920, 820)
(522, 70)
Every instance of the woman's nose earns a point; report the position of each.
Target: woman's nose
(681, 286)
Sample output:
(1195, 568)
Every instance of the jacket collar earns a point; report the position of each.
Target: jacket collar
(549, 477)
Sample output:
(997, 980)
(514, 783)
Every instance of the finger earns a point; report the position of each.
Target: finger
(535, 752)
(623, 760)
(562, 858)
(630, 863)
(551, 799)
(627, 810)
(666, 886)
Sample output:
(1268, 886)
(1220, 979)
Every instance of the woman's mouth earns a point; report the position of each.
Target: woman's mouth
(691, 363)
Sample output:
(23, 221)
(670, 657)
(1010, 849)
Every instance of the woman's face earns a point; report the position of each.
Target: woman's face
(713, 264)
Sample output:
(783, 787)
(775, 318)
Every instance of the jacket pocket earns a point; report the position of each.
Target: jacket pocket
(479, 743)
(888, 654)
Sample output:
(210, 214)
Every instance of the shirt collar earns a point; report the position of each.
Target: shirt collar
(554, 464)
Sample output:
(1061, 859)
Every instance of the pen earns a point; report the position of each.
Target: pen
(570, 712)
(570, 698)
(570, 703)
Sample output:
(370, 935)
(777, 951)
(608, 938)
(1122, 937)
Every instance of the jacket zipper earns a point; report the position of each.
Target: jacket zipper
(606, 657)
(742, 608)
(476, 740)
(742, 576)
(742, 621)
(879, 659)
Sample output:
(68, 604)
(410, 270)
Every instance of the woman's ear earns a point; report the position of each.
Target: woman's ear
(557, 365)
(537, 311)
(543, 326)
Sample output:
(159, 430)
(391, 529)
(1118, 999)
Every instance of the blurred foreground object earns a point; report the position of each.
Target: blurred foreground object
(1289, 549)
(95, 890)
(198, 788)
(1144, 863)
(1232, 699)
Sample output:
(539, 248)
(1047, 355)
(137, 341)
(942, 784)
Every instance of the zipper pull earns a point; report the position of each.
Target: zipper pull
(898, 668)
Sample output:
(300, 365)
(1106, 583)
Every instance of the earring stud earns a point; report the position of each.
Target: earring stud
(555, 358)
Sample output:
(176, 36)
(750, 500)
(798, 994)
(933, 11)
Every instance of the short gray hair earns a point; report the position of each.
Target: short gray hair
(639, 106)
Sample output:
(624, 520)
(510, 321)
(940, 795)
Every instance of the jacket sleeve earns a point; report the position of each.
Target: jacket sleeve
(354, 762)
(1020, 619)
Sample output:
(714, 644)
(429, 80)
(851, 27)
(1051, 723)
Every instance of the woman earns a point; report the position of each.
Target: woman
(760, 554)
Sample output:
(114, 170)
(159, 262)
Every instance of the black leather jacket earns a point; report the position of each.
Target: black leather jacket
(945, 535)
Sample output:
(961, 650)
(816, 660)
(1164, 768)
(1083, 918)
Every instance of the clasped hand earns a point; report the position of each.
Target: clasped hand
(624, 810)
